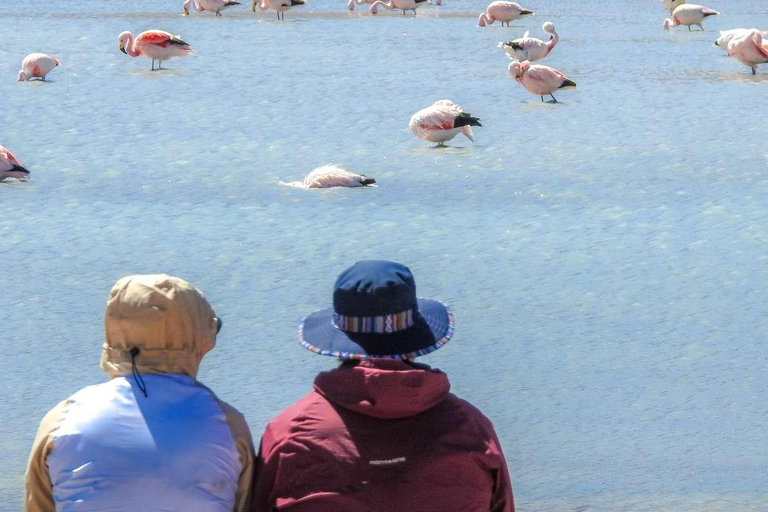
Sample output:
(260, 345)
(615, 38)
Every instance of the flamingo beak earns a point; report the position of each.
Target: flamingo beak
(253, 6)
(122, 49)
(186, 12)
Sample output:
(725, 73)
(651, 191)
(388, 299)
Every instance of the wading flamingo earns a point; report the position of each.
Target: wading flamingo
(442, 121)
(530, 48)
(36, 65)
(689, 14)
(502, 11)
(278, 5)
(538, 79)
(747, 47)
(334, 176)
(10, 166)
(153, 44)
(671, 5)
(401, 5)
(351, 4)
(727, 35)
(215, 6)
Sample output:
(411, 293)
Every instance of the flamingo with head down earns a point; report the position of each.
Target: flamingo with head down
(401, 5)
(215, 6)
(503, 11)
(278, 5)
(352, 3)
(332, 175)
(10, 166)
(442, 121)
(153, 44)
(531, 48)
(36, 65)
(747, 47)
(538, 79)
(727, 35)
(689, 14)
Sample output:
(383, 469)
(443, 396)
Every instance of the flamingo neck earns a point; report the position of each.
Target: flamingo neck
(553, 41)
(262, 5)
(130, 47)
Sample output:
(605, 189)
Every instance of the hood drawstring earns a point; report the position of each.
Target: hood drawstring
(135, 371)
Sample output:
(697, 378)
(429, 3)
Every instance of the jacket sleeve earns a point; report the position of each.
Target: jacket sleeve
(244, 443)
(501, 499)
(38, 489)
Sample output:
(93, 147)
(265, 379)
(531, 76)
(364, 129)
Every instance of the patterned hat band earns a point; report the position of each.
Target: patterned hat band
(375, 324)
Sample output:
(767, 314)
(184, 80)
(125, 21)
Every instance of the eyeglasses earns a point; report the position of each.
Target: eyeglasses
(219, 323)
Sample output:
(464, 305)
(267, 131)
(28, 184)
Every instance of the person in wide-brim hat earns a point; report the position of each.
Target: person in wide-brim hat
(380, 432)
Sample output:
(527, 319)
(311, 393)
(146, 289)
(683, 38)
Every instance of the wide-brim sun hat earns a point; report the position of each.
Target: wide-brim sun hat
(376, 314)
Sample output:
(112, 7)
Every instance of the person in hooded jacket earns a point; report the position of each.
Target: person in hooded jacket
(380, 432)
(152, 438)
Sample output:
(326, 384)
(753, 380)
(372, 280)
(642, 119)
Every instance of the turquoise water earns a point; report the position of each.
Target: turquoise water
(605, 257)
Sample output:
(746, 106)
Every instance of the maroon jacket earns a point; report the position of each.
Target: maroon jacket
(382, 436)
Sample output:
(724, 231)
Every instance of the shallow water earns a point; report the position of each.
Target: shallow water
(605, 256)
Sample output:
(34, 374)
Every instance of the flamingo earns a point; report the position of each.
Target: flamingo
(332, 175)
(688, 14)
(279, 5)
(402, 5)
(153, 44)
(442, 121)
(727, 35)
(10, 166)
(215, 6)
(747, 47)
(538, 79)
(351, 4)
(531, 48)
(671, 5)
(36, 65)
(502, 11)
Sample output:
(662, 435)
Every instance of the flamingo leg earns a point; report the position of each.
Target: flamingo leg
(754, 70)
(554, 100)
(542, 99)
(153, 64)
(159, 64)
(218, 13)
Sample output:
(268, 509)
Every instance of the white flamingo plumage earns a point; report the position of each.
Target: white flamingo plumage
(10, 166)
(157, 45)
(442, 121)
(278, 5)
(352, 3)
(671, 5)
(747, 47)
(400, 5)
(36, 65)
(214, 6)
(531, 48)
(540, 80)
(332, 175)
(689, 14)
(727, 35)
(502, 11)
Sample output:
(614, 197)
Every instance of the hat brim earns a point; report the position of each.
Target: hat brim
(432, 329)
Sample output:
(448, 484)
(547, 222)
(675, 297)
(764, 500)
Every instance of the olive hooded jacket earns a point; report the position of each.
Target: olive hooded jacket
(152, 437)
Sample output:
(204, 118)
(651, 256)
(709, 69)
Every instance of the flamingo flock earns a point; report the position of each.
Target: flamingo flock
(443, 120)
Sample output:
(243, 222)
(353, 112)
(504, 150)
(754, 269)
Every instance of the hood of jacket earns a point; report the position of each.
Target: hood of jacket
(166, 318)
(384, 388)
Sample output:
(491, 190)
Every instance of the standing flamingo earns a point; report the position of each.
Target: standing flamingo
(36, 65)
(10, 166)
(531, 48)
(502, 11)
(401, 5)
(442, 121)
(153, 44)
(278, 5)
(538, 79)
(215, 6)
(671, 5)
(748, 49)
(689, 14)
(727, 35)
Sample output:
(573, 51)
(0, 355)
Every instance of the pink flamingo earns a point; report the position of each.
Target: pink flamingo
(689, 14)
(727, 35)
(538, 79)
(278, 5)
(36, 65)
(442, 121)
(214, 6)
(748, 49)
(351, 4)
(334, 176)
(401, 5)
(531, 48)
(10, 166)
(154, 44)
(502, 11)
